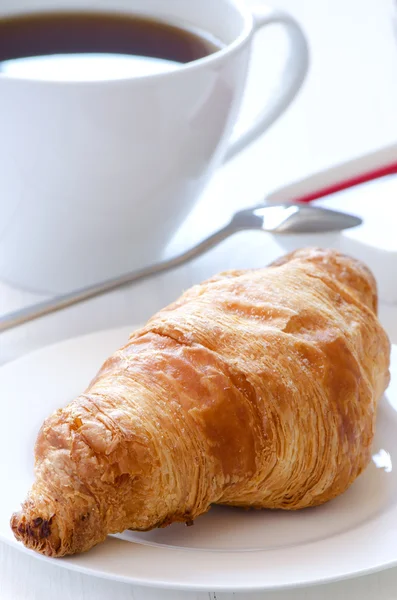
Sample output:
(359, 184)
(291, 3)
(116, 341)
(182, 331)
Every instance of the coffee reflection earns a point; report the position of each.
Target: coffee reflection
(85, 67)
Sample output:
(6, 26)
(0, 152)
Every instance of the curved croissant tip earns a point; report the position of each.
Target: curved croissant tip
(36, 534)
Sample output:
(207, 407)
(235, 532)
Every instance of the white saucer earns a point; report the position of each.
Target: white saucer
(227, 549)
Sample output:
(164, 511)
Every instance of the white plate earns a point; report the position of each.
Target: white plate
(227, 549)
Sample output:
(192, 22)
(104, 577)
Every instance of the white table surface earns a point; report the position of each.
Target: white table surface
(346, 108)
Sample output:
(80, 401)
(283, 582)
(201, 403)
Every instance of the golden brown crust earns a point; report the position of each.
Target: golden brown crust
(256, 388)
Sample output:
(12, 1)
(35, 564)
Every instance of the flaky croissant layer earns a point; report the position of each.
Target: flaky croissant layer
(256, 388)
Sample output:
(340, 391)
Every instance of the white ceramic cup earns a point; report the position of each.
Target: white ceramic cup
(96, 176)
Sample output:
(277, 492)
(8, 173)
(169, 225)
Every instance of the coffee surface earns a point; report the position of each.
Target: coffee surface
(79, 45)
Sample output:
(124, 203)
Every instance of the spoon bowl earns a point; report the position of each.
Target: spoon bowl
(293, 219)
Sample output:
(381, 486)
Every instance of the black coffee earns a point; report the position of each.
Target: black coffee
(100, 45)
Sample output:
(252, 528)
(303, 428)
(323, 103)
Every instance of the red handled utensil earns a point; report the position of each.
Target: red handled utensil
(372, 166)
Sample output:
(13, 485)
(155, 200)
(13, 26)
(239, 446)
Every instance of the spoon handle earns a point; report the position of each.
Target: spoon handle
(30, 313)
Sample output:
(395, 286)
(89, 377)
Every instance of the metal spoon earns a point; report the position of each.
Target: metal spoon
(276, 219)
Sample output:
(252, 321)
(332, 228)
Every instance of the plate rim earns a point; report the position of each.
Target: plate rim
(66, 563)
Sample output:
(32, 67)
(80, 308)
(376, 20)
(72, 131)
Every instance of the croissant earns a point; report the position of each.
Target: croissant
(257, 388)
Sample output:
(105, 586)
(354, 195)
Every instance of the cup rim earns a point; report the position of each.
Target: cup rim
(214, 58)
